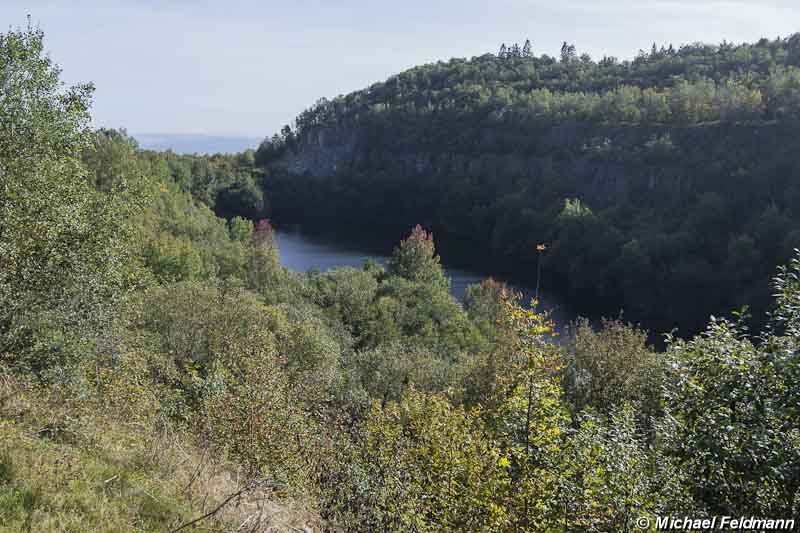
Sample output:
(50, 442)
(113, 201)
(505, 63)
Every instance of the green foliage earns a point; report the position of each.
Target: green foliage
(483, 303)
(784, 332)
(692, 84)
(421, 313)
(185, 368)
(172, 258)
(416, 260)
(787, 294)
(390, 370)
(312, 348)
(606, 369)
(516, 464)
(102, 459)
(255, 414)
(611, 476)
(264, 269)
(184, 240)
(348, 294)
(427, 468)
(228, 184)
(240, 229)
(574, 209)
(487, 150)
(732, 433)
(243, 197)
(112, 159)
(61, 242)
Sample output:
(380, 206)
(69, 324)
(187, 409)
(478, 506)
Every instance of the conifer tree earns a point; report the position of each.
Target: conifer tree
(568, 52)
(527, 50)
(503, 53)
(416, 260)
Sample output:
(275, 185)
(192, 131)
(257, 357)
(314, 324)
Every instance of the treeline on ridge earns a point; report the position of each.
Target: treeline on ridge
(682, 162)
(694, 83)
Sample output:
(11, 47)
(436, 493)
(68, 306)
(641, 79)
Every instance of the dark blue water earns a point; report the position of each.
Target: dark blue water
(301, 250)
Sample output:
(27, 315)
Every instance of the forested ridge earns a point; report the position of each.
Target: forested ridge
(161, 371)
(652, 180)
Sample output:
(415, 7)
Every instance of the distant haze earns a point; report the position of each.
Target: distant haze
(247, 67)
(195, 144)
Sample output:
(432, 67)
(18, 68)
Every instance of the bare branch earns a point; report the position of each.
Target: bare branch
(249, 486)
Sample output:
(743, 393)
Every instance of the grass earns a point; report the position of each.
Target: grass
(90, 465)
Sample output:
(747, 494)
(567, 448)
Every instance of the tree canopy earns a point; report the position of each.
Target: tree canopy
(680, 161)
(160, 369)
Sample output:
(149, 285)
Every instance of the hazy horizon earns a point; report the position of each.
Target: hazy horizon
(195, 143)
(245, 68)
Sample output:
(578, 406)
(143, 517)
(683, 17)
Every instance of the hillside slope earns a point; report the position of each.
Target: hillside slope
(161, 371)
(653, 181)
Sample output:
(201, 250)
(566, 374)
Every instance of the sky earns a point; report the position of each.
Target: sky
(246, 67)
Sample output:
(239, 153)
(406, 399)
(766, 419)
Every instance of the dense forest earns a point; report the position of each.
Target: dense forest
(652, 180)
(160, 370)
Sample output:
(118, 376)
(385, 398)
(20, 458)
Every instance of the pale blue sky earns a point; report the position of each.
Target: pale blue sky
(246, 67)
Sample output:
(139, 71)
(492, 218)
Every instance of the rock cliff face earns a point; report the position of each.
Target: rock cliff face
(322, 152)
(603, 165)
(676, 211)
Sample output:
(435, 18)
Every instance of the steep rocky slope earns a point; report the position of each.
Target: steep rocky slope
(667, 186)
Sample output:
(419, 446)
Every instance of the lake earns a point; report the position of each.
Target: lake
(302, 250)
